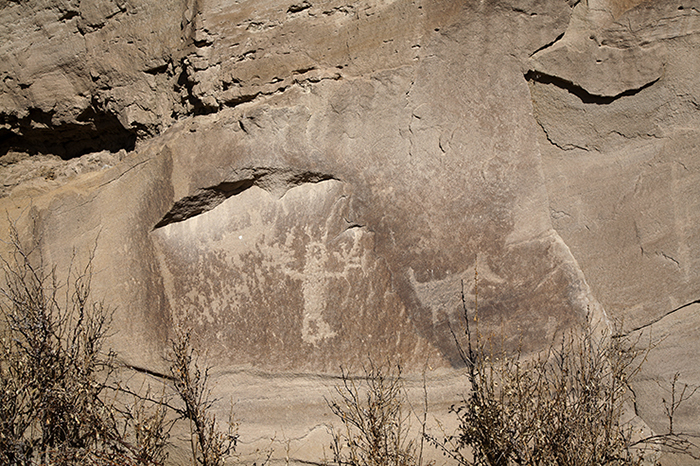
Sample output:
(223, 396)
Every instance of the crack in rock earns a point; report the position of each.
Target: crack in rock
(661, 317)
(275, 180)
(548, 45)
(585, 96)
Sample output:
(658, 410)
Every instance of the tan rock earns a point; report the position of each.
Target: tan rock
(310, 184)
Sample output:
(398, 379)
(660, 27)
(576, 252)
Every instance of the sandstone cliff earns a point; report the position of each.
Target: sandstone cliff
(309, 183)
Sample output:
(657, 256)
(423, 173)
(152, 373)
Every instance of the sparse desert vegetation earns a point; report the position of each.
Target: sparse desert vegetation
(375, 420)
(62, 401)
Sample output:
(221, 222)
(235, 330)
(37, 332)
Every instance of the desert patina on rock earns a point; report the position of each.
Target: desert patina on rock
(309, 184)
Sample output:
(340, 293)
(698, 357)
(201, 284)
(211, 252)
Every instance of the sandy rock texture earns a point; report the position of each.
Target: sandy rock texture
(308, 184)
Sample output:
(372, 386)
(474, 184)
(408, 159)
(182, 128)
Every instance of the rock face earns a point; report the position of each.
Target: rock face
(309, 184)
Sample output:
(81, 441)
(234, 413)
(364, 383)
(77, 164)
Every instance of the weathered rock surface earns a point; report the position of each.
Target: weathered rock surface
(309, 184)
(84, 76)
(620, 159)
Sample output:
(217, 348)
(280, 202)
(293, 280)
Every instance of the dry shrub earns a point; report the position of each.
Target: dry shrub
(54, 373)
(62, 398)
(561, 407)
(142, 426)
(209, 445)
(375, 421)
